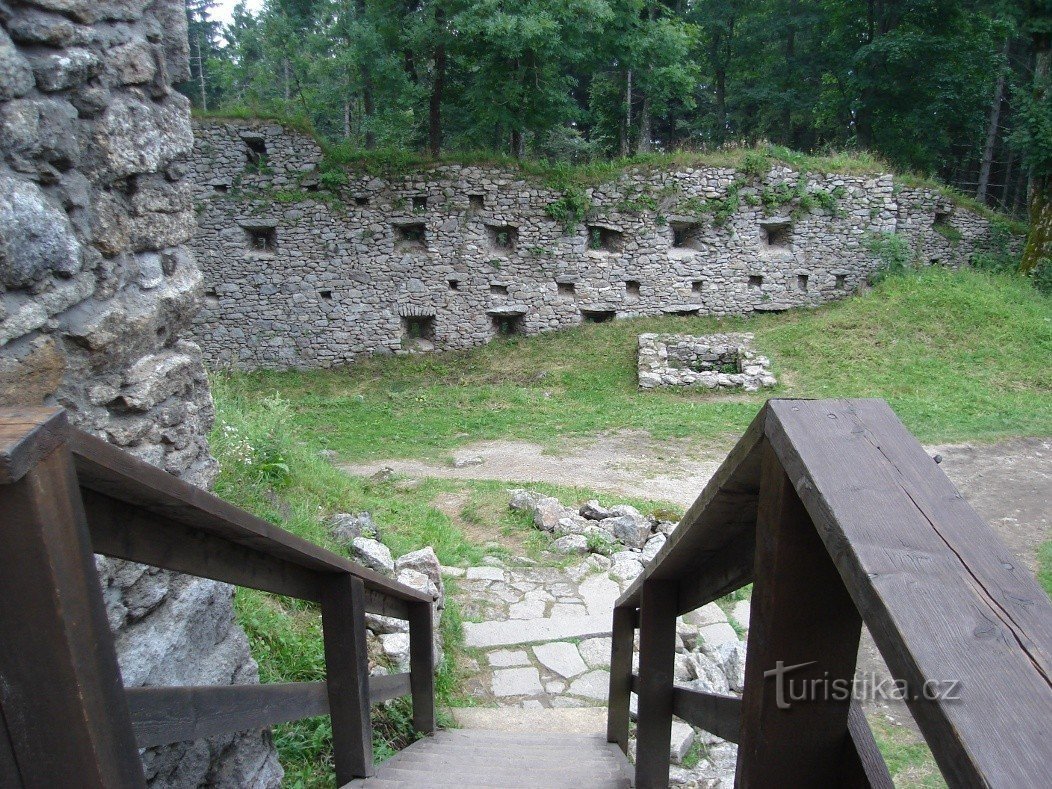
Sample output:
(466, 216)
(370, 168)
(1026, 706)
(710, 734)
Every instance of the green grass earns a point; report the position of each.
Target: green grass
(959, 355)
(1044, 571)
(909, 761)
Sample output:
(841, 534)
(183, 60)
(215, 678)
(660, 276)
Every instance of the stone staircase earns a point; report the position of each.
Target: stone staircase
(506, 760)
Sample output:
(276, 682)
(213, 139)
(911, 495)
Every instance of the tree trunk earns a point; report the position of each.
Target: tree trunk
(435, 108)
(201, 75)
(790, 68)
(646, 131)
(626, 125)
(1039, 238)
(367, 92)
(721, 103)
(991, 133)
(346, 119)
(287, 80)
(516, 143)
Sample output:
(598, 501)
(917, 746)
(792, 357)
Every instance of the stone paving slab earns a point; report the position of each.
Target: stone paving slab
(503, 658)
(560, 657)
(528, 631)
(517, 682)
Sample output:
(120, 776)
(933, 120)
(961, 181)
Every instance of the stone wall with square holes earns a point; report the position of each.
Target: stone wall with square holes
(466, 242)
(711, 361)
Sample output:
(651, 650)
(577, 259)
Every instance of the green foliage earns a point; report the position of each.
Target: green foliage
(949, 232)
(756, 163)
(1041, 276)
(894, 253)
(571, 208)
(1044, 571)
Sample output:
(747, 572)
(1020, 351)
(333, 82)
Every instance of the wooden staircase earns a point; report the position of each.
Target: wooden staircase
(481, 758)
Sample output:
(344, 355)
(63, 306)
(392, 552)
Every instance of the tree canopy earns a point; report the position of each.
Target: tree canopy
(949, 88)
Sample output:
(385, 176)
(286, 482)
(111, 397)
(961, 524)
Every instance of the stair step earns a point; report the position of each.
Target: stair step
(483, 759)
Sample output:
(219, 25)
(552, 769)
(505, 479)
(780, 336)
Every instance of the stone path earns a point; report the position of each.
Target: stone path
(542, 635)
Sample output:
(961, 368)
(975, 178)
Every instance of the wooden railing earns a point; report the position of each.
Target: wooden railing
(837, 516)
(66, 718)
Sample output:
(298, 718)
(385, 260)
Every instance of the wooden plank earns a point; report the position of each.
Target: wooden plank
(106, 469)
(422, 667)
(347, 663)
(725, 509)
(804, 629)
(715, 579)
(60, 687)
(27, 436)
(383, 687)
(9, 774)
(657, 652)
(163, 715)
(944, 599)
(623, 633)
(714, 712)
(862, 764)
(128, 532)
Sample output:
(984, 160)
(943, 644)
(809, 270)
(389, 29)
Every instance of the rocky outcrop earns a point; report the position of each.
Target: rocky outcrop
(97, 292)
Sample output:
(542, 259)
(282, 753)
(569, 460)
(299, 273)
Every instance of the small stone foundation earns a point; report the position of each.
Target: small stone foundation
(724, 361)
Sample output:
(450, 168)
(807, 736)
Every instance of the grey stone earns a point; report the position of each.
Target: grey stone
(596, 652)
(512, 632)
(36, 240)
(593, 685)
(628, 529)
(560, 657)
(373, 554)
(502, 658)
(571, 543)
(516, 682)
(16, 75)
(593, 510)
(485, 574)
(345, 527)
(396, 648)
(385, 624)
(465, 462)
(547, 513)
(652, 547)
(626, 570)
(681, 741)
(523, 500)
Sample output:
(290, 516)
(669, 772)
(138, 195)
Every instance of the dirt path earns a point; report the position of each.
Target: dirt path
(1008, 483)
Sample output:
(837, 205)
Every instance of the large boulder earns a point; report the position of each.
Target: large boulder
(595, 511)
(424, 561)
(548, 512)
(344, 527)
(571, 543)
(632, 530)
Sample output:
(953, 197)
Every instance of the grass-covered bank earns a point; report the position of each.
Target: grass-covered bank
(959, 355)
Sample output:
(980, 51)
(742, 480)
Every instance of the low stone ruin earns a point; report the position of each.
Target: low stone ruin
(713, 361)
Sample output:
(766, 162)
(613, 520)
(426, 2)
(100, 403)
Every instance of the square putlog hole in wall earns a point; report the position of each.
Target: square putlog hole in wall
(476, 202)
(755, 281)
(697, 286)
(498, 290)
(605, 239)
(631, 290)
(598, 316)
(262, 240)
(419, 204)
(777, 235)
(566, 290)
(255, 150)
(801, 282)
(506, 325)
(686, 235)
(361, 201)
(502, 238)
(418, 332)
(454, 284)
(840, 281)
(410, 235)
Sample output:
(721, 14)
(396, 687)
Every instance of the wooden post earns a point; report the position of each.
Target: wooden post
(61, 696)
(347, 664)
(657, 651)
(422, 667)
(622, 641)
(805, 628)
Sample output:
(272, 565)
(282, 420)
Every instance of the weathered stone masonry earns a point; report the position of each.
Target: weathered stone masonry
(450, 256)
(97, 290)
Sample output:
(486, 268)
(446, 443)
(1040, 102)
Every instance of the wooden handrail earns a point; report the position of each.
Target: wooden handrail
(838, 516)
(65, 495)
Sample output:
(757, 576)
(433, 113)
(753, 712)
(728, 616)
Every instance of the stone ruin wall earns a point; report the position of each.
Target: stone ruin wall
(98, 292)
(296, 277)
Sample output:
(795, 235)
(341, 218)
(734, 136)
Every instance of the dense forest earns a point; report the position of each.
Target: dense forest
(956, 89)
